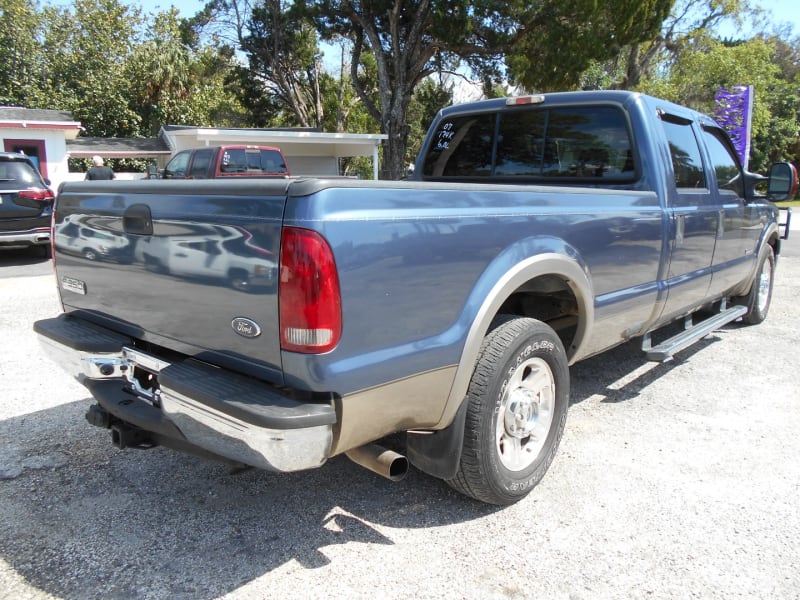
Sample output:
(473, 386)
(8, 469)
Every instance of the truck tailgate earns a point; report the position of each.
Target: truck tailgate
(188, 265)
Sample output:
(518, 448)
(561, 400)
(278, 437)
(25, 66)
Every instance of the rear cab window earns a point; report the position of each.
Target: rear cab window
(238, 161)
(577, 145)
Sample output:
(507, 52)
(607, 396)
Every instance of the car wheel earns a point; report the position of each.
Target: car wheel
(759, 297)
(89, 254)
(516, 411)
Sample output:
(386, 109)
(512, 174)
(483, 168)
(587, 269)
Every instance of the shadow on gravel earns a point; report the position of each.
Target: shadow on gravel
(80, 519)
(600, 374)
(22, 256)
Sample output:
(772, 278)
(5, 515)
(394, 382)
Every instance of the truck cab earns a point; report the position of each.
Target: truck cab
(214, 162)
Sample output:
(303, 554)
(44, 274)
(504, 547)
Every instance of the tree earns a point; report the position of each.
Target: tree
(544, 44)
(408, 41)
(86, 50)
(172, 83)
(688, 21)
(20, 53)
(282, 78)
(281, 45)
(698, 71)
(558, 40)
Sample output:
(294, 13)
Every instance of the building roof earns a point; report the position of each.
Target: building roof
(16, 113)
(117, 147)
(292, 141)
(15, 117)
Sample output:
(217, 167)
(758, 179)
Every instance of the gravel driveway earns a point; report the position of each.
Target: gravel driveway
(673, 480)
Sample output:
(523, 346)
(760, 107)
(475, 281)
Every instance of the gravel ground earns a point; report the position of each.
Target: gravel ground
(674, 480)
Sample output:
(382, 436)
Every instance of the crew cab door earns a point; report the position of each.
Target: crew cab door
(739, 223)
(693, 217)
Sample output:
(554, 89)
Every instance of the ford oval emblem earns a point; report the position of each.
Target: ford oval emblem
(246, 327)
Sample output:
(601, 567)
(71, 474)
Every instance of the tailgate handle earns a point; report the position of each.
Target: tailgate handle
(137, 220)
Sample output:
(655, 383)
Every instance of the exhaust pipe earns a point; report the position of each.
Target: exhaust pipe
(386, 463)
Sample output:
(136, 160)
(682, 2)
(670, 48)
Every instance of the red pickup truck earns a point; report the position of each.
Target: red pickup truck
(214, 162)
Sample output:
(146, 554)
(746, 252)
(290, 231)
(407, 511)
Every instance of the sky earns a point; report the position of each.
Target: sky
(779, 12)
(782, 11)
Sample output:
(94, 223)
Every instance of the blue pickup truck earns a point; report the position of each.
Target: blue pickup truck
(535, 232)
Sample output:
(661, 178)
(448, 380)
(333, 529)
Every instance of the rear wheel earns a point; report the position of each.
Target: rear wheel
(517, 408)
(759, 298)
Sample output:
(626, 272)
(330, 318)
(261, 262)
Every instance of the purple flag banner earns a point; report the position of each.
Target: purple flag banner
(735, 112)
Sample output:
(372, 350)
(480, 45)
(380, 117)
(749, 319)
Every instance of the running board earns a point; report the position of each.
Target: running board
(693, 332)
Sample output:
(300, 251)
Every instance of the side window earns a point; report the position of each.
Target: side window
(233, 161)
(726, 167)
(686, 161)
(177, 166)
(462, 147)
(201, 162)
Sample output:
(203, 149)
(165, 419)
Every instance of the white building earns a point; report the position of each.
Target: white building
(51, 137)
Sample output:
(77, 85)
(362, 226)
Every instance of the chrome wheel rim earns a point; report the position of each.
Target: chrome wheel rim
(764, 283)
(525, 414)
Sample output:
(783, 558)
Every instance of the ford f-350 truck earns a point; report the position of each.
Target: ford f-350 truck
(535, 232)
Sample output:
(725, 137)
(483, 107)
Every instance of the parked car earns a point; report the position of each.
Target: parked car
(91, 240)
(214, 162)
(26, 204)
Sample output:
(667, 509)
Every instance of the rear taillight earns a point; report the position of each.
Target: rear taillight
(36, 194)
(308, 293)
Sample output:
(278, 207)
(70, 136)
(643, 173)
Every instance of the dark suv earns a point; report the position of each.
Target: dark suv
(26, 204)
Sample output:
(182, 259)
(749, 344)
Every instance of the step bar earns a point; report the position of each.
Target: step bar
(692, 333)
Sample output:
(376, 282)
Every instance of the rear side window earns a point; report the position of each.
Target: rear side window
(16, 173)
(686, 161)
(201, 163)
(566, 144)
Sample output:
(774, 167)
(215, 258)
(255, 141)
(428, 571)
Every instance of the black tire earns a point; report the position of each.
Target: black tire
(89, 254)
(759, 298)
(516, 411)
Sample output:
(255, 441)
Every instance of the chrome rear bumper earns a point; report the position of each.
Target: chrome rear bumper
(219, 411)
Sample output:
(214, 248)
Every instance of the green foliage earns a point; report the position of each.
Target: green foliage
(429, 98)
(258, 63)
(21, 54)
(559, 39)
(86, 50)
(172, 84)
(284, 58)
(700, 70)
